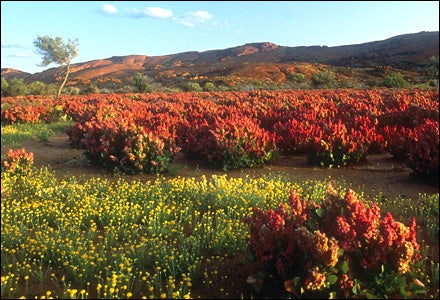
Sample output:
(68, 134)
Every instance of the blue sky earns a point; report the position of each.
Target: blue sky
(116, 28)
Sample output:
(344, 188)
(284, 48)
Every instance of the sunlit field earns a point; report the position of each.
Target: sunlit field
(87, 237)
(162, 239)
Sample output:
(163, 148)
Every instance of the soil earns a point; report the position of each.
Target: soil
(378, 174)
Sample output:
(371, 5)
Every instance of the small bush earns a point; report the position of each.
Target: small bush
(131, 148)
(18, 161)
(423, 151)
(209, 86)
(192, 87)
(240, 142)
(395, 80)
(336, 145)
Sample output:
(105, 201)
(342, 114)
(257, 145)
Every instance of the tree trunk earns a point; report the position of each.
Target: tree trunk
(65, 79)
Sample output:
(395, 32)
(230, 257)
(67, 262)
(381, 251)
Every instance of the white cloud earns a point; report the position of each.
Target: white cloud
(158, 12)
(154, 12)
(192, 18)
(189, 19)
(200, 15)
(6, 46)
(21, 54)
(109, 8)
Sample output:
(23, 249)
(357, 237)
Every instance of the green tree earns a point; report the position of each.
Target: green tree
(72, 90)
(51, 89)
(395, 80)
(323, 79)
(299, 81)
(141, 83)
(37, 88)
(5, 86)
(54, 50)
(91, 88)
(17, 87)
(432, 71)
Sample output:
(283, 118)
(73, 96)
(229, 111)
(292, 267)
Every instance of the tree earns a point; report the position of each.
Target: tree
(140, 83)
(432, 68)
(323, 79)
(146, 84)
(432, 71)
(54, 50)
(37, 88)
(5, 86)
(16, 87)
(91, 88)
(298, 78)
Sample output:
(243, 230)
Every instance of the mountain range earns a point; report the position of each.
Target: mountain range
(257, 63)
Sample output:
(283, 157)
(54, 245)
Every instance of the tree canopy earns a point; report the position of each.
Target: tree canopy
(54, 50)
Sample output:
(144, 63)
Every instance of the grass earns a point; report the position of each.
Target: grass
(164, 238)
(13, 135)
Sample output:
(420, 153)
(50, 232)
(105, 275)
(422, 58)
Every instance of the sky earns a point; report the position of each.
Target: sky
(118, 28)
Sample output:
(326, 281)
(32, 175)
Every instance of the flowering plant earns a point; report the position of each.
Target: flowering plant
(240, 142)
(423, 157)
(18, 161)
(129, 147)
(334, 144)
(238, 129)
(30, 109)
(337, 248)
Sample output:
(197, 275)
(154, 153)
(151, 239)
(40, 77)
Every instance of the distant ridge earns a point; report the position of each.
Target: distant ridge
(260, 61)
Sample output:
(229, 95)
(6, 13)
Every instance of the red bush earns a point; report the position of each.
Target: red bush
(318, 247)
(423, 156)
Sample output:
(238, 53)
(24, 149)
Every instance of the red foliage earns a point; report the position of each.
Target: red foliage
(423, 156)
(18, 161)
(244, 129)
(30, 109)
(296, 241)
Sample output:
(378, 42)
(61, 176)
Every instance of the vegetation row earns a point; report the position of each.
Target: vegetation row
(143, 132)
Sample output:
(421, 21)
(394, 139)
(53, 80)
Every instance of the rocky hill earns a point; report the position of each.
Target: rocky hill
(257, 63)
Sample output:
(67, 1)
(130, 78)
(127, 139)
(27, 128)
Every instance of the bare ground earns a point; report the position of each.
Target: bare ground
(378, 174)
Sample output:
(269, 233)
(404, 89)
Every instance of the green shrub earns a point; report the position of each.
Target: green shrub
(395, 80)
(323, 79)
(298, 78)
(209, 86)
(192, 87)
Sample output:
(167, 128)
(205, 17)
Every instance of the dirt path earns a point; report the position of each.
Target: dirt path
(379, 174)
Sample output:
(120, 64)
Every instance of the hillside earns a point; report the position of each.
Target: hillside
(258, 64)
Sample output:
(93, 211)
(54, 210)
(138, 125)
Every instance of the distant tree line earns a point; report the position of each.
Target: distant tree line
(17, 87)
